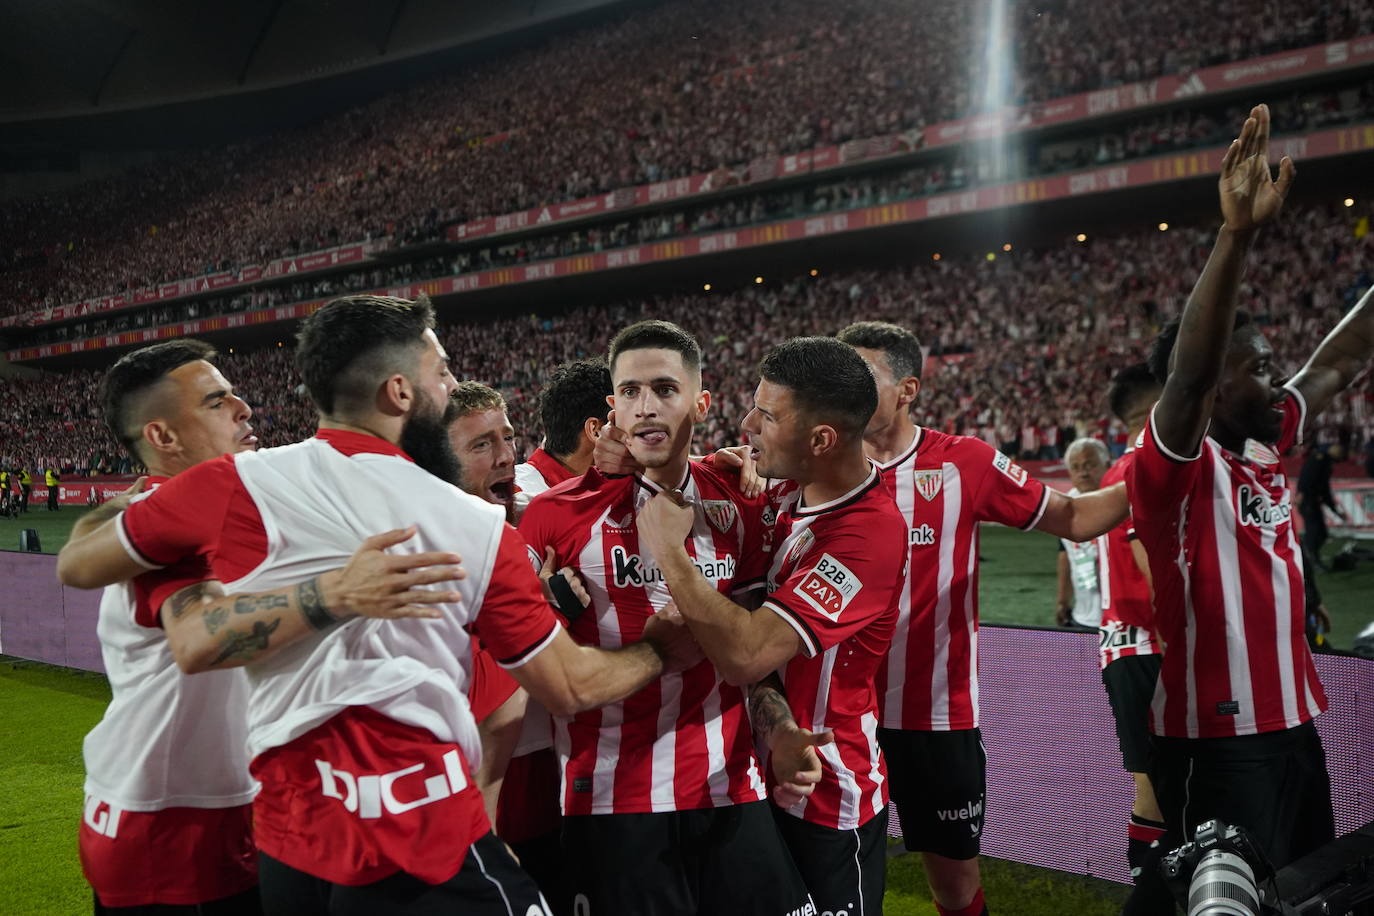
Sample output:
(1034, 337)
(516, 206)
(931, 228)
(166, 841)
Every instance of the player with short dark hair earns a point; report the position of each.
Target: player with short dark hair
(1129, 649)
(1237, 692)
(484, 443)
(572, 410)
(838, 563)
(944, 486)
(361, 735)
(667, 779)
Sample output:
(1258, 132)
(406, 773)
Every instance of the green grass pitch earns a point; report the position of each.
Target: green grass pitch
(44, 712)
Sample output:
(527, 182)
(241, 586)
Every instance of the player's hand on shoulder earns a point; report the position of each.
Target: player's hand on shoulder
(741, 457)
(380, 584)
(611, 455)
(668, 633)
(795, 763)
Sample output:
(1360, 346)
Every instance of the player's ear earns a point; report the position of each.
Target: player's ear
(703, 405)
(160, 437)
(823, 439)
(591, 428)
(395, 396)
(909, 387)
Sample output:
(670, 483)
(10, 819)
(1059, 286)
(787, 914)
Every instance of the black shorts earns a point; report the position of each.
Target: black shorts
(845, 870)
(711, 860)
(939, 783)
(1275, 785)
(490, 882)
(1130, 684)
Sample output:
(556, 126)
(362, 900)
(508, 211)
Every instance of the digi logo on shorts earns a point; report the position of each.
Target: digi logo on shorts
(830, 586)
(368, 796)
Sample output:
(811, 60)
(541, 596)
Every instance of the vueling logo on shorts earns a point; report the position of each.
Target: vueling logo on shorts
(1256, 508)
(965, 813)
(630, 569)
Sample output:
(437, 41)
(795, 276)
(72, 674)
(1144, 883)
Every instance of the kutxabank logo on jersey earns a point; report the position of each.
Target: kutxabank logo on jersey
(633, 570)
(1254, 507)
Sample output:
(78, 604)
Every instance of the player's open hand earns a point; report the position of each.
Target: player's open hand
(742, 457)
(796, 765)
(379, 584)
(1249, 195)
(665, 522)
(611, 455)
(668, 633)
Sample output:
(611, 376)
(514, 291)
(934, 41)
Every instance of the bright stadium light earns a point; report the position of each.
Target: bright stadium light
(1081, 237)
(758, 279)
(814, 271)
(1350, 201)
(935, 256)
(707, 287)
(1007, 247)
(991, 256)
(1163, 227)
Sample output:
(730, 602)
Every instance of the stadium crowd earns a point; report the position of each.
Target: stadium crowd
(954, 170)
(713, 85)
(1007, 336)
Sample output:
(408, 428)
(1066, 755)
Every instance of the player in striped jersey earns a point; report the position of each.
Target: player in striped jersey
(833, 583)
(572, 410)
(667, 779)
(1129, 650)
(1237, 692)
(944, 487)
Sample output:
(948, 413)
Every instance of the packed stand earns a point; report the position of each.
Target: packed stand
(682, 89)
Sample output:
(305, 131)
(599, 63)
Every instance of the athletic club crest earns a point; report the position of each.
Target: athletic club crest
(721, 513)
(928, 483)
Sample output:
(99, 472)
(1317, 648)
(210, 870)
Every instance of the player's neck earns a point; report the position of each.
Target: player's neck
(578, 462)
(831, 481)
(890, 441)
(669, 476)
(377, 430)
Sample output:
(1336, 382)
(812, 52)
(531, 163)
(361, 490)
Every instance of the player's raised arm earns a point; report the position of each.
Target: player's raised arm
(1339, 358)
(1249, 199)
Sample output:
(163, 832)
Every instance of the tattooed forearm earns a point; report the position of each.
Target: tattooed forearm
(247, 604)
(768, 709)
(237, 644)
(182, 600)
(310, 598)
(214, 618)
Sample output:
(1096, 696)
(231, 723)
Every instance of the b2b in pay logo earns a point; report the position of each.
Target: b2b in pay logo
(830, 586)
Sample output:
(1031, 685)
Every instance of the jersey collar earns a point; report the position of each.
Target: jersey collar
(906, 452)
(652, 487)
(349, 443)
(840, 502)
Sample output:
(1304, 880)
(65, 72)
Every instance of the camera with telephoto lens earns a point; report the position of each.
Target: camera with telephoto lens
(1220, 873)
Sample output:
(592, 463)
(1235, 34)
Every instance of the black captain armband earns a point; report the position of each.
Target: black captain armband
(565, 599)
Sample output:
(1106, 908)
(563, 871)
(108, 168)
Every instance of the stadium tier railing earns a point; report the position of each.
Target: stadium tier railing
(1057, 795)
(1200, 85)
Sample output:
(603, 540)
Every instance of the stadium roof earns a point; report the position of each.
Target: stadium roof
(66, 62)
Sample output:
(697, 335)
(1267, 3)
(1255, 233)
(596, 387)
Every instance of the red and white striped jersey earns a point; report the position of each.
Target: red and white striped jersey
(1229, 600)
(682, 742)
(1127, 615)
(944, 486)
(541, 472)
(835, 579)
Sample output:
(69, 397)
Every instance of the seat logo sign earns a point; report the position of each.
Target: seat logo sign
(830, 586)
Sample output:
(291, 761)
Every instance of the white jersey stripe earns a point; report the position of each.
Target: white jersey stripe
(896, 672)
(971, 621)
(613, 714)
(954, 506)
(1237, 644)
(875, 767)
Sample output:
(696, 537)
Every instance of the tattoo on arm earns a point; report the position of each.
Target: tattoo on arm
(182, 600)
(310, 598)
(247, 604)
(214, 619)
(768, 710)
(237, 644)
